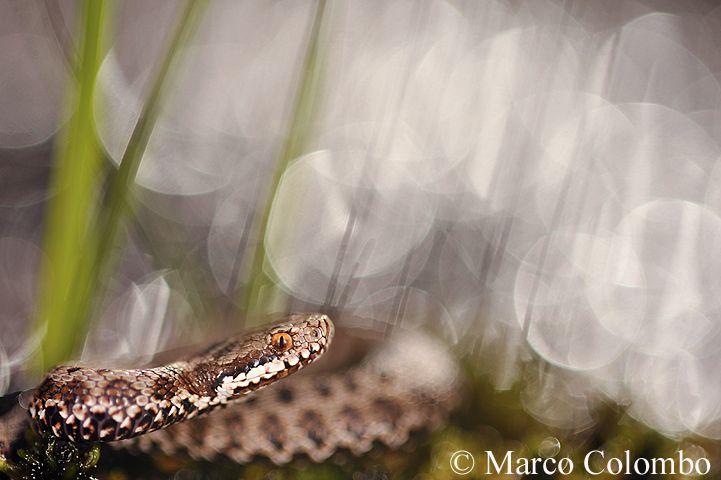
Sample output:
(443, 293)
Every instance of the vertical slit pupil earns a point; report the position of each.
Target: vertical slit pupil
(279, 340)
(282, 341)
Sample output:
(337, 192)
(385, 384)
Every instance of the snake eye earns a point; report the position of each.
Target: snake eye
(282, 341)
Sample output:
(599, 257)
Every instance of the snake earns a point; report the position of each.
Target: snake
(216, 404)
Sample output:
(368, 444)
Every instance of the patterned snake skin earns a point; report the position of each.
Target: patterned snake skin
(85, 404)
(407, 385)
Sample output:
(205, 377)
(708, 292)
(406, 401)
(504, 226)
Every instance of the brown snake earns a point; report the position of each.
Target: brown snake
(407, 385)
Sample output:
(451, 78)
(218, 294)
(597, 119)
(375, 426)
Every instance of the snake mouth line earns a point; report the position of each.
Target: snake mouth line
(262, 374)
(300, 345)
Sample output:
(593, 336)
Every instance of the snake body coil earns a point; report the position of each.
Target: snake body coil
(408, 384)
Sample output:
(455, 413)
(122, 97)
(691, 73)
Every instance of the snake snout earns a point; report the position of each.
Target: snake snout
(274, 354)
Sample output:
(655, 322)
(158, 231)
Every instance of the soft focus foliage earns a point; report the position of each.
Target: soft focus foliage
(540, 181)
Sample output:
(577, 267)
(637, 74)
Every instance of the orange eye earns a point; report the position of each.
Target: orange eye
(282, 341)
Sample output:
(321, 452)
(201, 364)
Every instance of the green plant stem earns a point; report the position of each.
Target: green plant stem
(117, 199)
(78, 169)
(117, 196)
(67, 317)
(293, 146)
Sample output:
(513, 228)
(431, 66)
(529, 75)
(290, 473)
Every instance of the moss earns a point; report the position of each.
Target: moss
(51, 459)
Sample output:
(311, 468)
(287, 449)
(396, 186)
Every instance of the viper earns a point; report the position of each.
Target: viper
(215, 403)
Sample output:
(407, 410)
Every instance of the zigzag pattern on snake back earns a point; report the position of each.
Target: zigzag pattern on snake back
(410, 383)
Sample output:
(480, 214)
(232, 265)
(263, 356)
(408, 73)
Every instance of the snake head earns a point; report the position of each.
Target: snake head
(269, 354)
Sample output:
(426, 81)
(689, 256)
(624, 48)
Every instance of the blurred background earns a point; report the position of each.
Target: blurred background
(537, 181)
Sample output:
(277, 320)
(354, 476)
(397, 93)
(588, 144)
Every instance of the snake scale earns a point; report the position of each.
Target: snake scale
(407, 384)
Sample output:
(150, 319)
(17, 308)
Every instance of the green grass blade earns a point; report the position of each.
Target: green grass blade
(78, 170)
(66, 316)
(261, 283)
(117, 198)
